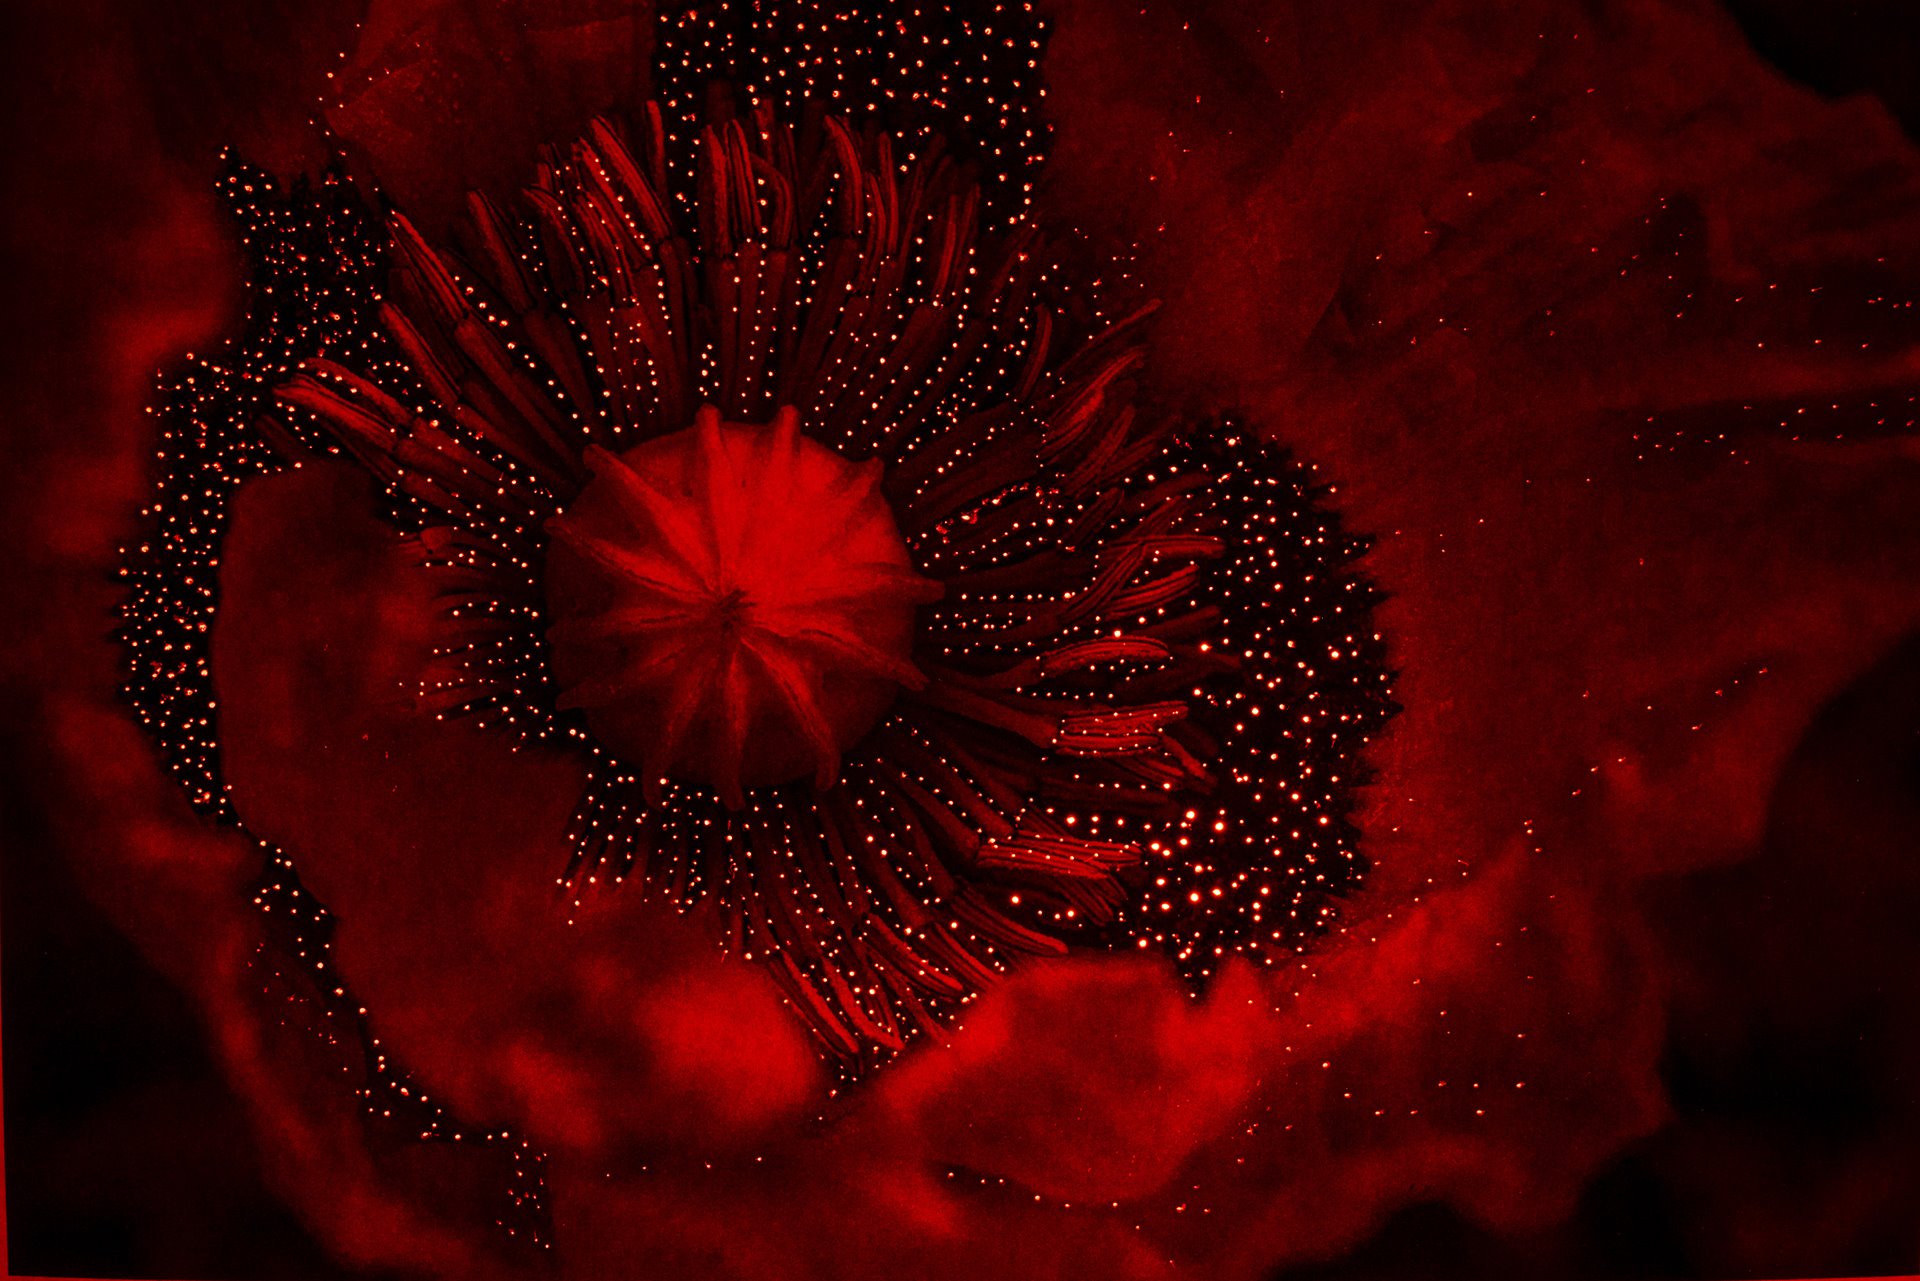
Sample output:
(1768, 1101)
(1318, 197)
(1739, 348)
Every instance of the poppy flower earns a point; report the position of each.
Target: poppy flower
(749, 713)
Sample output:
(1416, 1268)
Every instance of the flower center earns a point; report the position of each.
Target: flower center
(731, 605)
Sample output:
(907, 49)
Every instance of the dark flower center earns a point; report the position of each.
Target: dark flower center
(731, 605)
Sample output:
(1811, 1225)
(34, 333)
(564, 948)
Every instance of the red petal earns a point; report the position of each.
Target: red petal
(439, 846)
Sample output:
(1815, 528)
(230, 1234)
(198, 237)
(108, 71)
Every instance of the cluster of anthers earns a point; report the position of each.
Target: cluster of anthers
(831, 530)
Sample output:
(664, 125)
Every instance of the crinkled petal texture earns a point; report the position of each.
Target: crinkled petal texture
(1596, 325)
